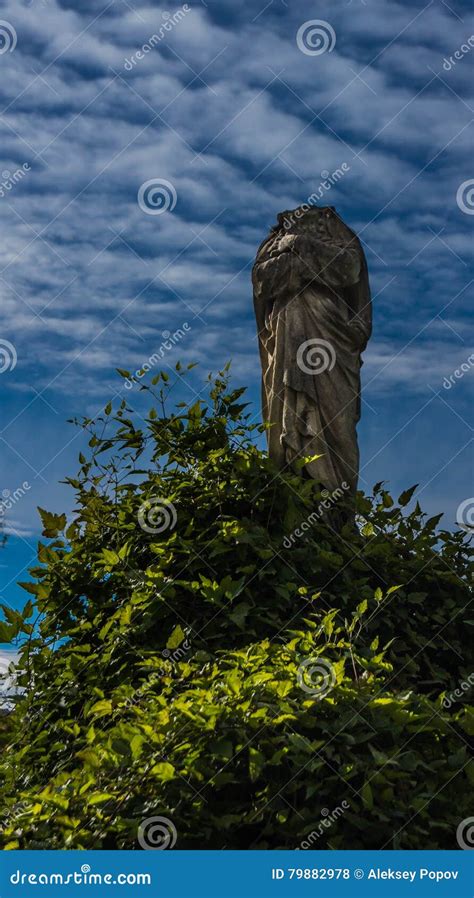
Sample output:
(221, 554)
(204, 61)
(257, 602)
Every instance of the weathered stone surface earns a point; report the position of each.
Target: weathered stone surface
(313, 311)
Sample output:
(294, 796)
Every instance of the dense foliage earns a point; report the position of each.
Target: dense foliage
(179, 661)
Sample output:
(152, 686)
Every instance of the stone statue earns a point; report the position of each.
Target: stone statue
(313, 311)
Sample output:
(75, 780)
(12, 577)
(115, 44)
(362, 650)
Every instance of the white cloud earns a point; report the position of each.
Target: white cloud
(106, 300)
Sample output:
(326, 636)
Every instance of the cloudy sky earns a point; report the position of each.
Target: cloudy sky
(239, 111)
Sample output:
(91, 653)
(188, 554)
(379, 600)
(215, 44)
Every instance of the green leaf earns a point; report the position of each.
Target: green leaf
(405, 497)
(52, 523)
(101, 708)
(367, 796)
(163, 771)
(256, 763)
(176, 638)
(7, 632)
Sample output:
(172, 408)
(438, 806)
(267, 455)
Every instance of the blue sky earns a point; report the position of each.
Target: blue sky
(229, 109)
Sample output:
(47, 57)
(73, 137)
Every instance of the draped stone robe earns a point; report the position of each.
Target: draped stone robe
(313, 311)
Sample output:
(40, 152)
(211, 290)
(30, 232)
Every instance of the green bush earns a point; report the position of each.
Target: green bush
(186, 664)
